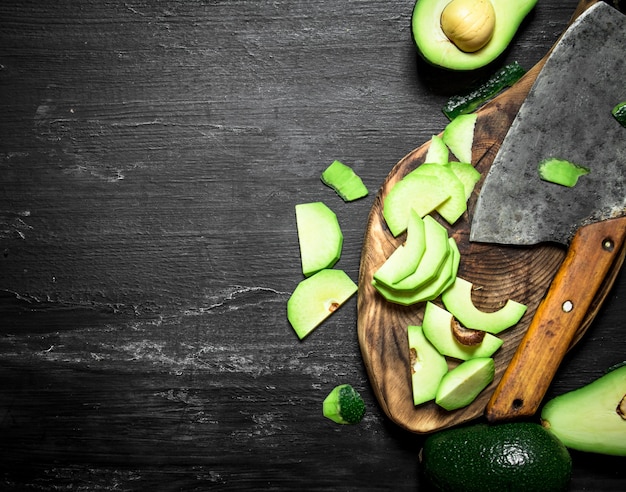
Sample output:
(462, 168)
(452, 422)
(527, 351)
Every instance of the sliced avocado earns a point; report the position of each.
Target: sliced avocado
(344, 181)
(455, 206)
(427, 366)
(467, 174)
(432, 289)
(319, 236)
(512, 457)
(435, 255)
(458, 300)
(317, 297)
(461, 386)
(404, 259)
(458, 135)
(417, 192)
(438, 152)
(591, 418)
(437, 325)
(561, 171)
(436, 48)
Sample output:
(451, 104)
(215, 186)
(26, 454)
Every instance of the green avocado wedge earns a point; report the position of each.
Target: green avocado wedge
(591, 418)
(437, 49)
(437, 326)
(458, 300)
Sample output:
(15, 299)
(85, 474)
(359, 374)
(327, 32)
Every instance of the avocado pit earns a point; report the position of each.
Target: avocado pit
(469, 24)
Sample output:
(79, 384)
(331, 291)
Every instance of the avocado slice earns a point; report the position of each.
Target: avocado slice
(317, 297)
(405, 258)
(458, 300)
(437, 49)
(458, 135)
(591, 418)
(438, 152)
(435, 255)
(417, 192)
(319, 236)
(428, 366)
(437, 326)
(432, 289)
(461, 386)
(467, 174)
(455, 206)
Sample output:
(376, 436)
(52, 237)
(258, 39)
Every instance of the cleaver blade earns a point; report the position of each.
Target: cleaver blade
(566, 115)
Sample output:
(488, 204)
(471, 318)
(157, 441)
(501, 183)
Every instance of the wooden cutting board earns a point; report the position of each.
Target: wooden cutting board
(498, 273)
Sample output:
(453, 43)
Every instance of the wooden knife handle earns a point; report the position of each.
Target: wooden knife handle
(524, 383)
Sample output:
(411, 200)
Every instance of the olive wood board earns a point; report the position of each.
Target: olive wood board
(498, 273)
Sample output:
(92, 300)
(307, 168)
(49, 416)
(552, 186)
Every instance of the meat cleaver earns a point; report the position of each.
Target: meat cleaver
(566, 115)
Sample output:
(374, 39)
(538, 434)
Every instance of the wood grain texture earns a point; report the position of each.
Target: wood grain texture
(498, 273)
(151, 154)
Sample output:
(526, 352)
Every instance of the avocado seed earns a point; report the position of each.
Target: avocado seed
(469, 24)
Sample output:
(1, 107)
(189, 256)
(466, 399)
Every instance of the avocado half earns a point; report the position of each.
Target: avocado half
(435, 47)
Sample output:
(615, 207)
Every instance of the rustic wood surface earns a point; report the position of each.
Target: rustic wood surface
(151, 154)
(498, 274)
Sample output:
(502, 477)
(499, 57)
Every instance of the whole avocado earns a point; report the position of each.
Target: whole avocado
(495, 458)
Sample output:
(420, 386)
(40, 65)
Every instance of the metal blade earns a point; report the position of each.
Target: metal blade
(567, 115)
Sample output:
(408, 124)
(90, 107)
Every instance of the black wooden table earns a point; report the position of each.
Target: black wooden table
(151, 155)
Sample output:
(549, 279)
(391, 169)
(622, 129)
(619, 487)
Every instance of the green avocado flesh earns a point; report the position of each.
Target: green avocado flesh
(434, 46)
(512, 457)
(344, 405)
(427, 366)
(463, 384)
(454, 207)
(421, 193)
(458, 300)
(560, 171)
(458, 135)
(404, 259)
(591, 418)
(319, 236)
(344, 181)
(317, 297)
(437, 152)
(437, 326)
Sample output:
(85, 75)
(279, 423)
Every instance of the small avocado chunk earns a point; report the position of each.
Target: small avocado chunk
(344, 405)
(319, 236)
(463, 384)
(438, 328)
(344, 181)
(427, 366)
(591, 418)
(458, 135)
(458, 300)
(561, 171)
(482, 32)
(418, 192)
(317, 297)
(516, 457)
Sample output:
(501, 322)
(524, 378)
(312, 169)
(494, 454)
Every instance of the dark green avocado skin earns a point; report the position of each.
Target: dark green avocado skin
(507, 457)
